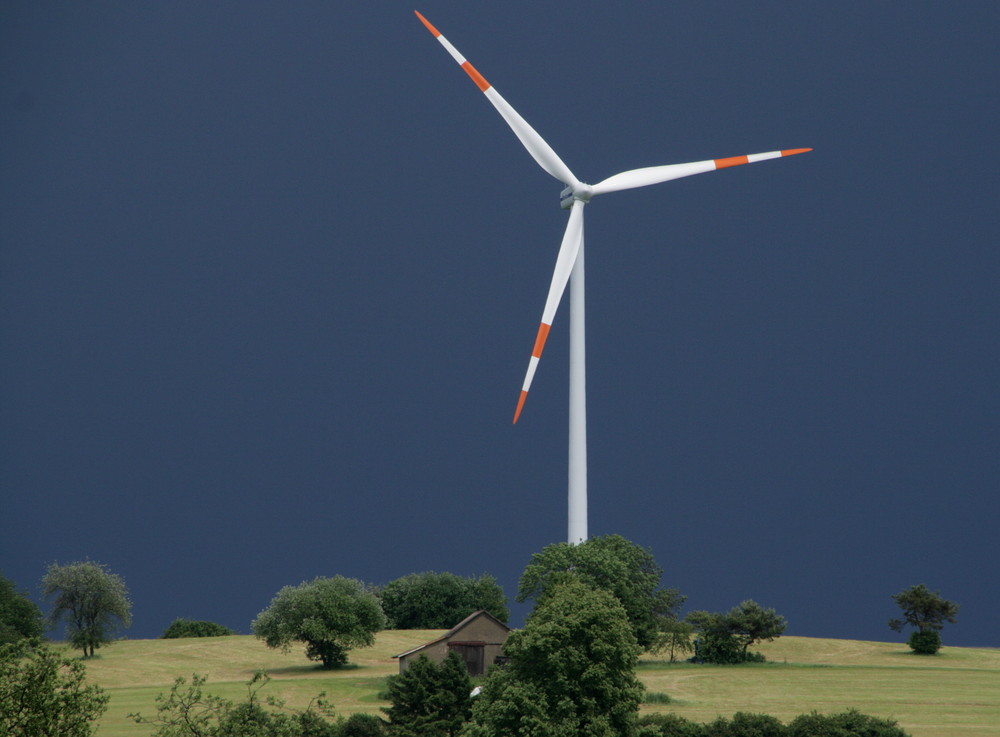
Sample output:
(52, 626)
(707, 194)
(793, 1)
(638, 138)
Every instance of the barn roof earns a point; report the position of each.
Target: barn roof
(454, 631)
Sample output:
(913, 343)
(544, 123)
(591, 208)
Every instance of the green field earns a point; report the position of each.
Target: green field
(953, 694)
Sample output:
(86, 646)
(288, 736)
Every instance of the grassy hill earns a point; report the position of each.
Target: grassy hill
(953, 694)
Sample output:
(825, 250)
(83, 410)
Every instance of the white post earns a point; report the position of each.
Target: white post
(577, 404)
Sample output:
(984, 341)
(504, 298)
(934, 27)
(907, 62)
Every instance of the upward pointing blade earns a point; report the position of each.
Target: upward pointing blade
(536, 145)
(568, 251)
(656, 174)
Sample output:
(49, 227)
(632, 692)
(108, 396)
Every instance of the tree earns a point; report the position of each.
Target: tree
(440, 600)
(330, 615)
(93, 600)
(43, 693)
(674, 638)
(726, 638)
(611, 563)
(571, 673)
(926, 611)
(20, 617)
(430, 700)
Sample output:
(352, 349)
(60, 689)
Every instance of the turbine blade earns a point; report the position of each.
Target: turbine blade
(568, 251)
(540, 150)
(656, 174)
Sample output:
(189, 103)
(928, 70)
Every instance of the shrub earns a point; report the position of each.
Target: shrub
(847, 724)
(669, 725)
(194, 628)
(363, 725)
(747, 725)
(656, 697)
(43, 692)
(927, 642)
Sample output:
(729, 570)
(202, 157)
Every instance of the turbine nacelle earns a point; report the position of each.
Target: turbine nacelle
(583, 192)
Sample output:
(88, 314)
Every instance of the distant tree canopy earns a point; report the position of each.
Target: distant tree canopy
(44, 693)
(93, 601)
(571, 671)
(725, 638)
(330, 615)
(181, 627)
(926, 611)
(613, 564)
(20, 617)
(432, 600)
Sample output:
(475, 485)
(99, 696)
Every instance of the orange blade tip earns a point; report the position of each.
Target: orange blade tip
(427, 23)
(793, 151)
(520, 405)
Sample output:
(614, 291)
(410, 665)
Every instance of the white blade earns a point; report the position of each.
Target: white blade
(572, 239)
(656, 174)
(536, 145)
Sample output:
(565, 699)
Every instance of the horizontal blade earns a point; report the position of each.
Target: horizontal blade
(568, 251)
(656, 174)
(534, 143)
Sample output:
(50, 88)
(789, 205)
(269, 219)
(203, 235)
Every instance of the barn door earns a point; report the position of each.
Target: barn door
(471, 654)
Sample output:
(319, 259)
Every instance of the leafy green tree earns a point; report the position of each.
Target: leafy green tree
(194, 628)
(330, 615)
(926, 611)
(571, 673)
(726, 638)
(44, 693)
(611, 563)
(20, 617)
(430, 700)
(432, 600)
(93, 601)
(673, 637)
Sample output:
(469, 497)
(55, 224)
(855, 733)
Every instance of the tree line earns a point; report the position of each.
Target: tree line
(571, 668)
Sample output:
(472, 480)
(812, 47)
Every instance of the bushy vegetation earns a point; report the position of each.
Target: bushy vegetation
(187, 711)
(181, 627)
(44, 693)
(330, 615)
(430, 700)
(847, 724)
(725, 638)
(571, 670)
(20, 617)
(432, 600)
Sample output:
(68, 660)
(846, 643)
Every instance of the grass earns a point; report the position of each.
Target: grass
(953, 694)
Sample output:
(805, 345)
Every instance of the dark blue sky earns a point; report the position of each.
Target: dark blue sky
(271, 273)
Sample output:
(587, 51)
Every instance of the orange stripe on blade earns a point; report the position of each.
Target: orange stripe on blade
(543, 333)
(476, 77)
(793, 151)
(520, 405)
(731, 161)
(427, 23)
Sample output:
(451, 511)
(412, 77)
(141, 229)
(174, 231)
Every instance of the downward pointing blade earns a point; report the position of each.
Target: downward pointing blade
(534, 143)
(656, 174)
(572, 239)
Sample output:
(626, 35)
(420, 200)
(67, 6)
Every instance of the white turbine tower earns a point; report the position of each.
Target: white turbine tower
(569, 263)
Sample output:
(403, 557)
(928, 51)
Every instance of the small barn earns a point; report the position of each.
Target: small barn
(478, 639)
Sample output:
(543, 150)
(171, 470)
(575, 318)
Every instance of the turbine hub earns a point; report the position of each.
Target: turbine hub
(583, 193)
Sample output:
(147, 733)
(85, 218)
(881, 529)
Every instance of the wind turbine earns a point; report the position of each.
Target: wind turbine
(569, 263)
